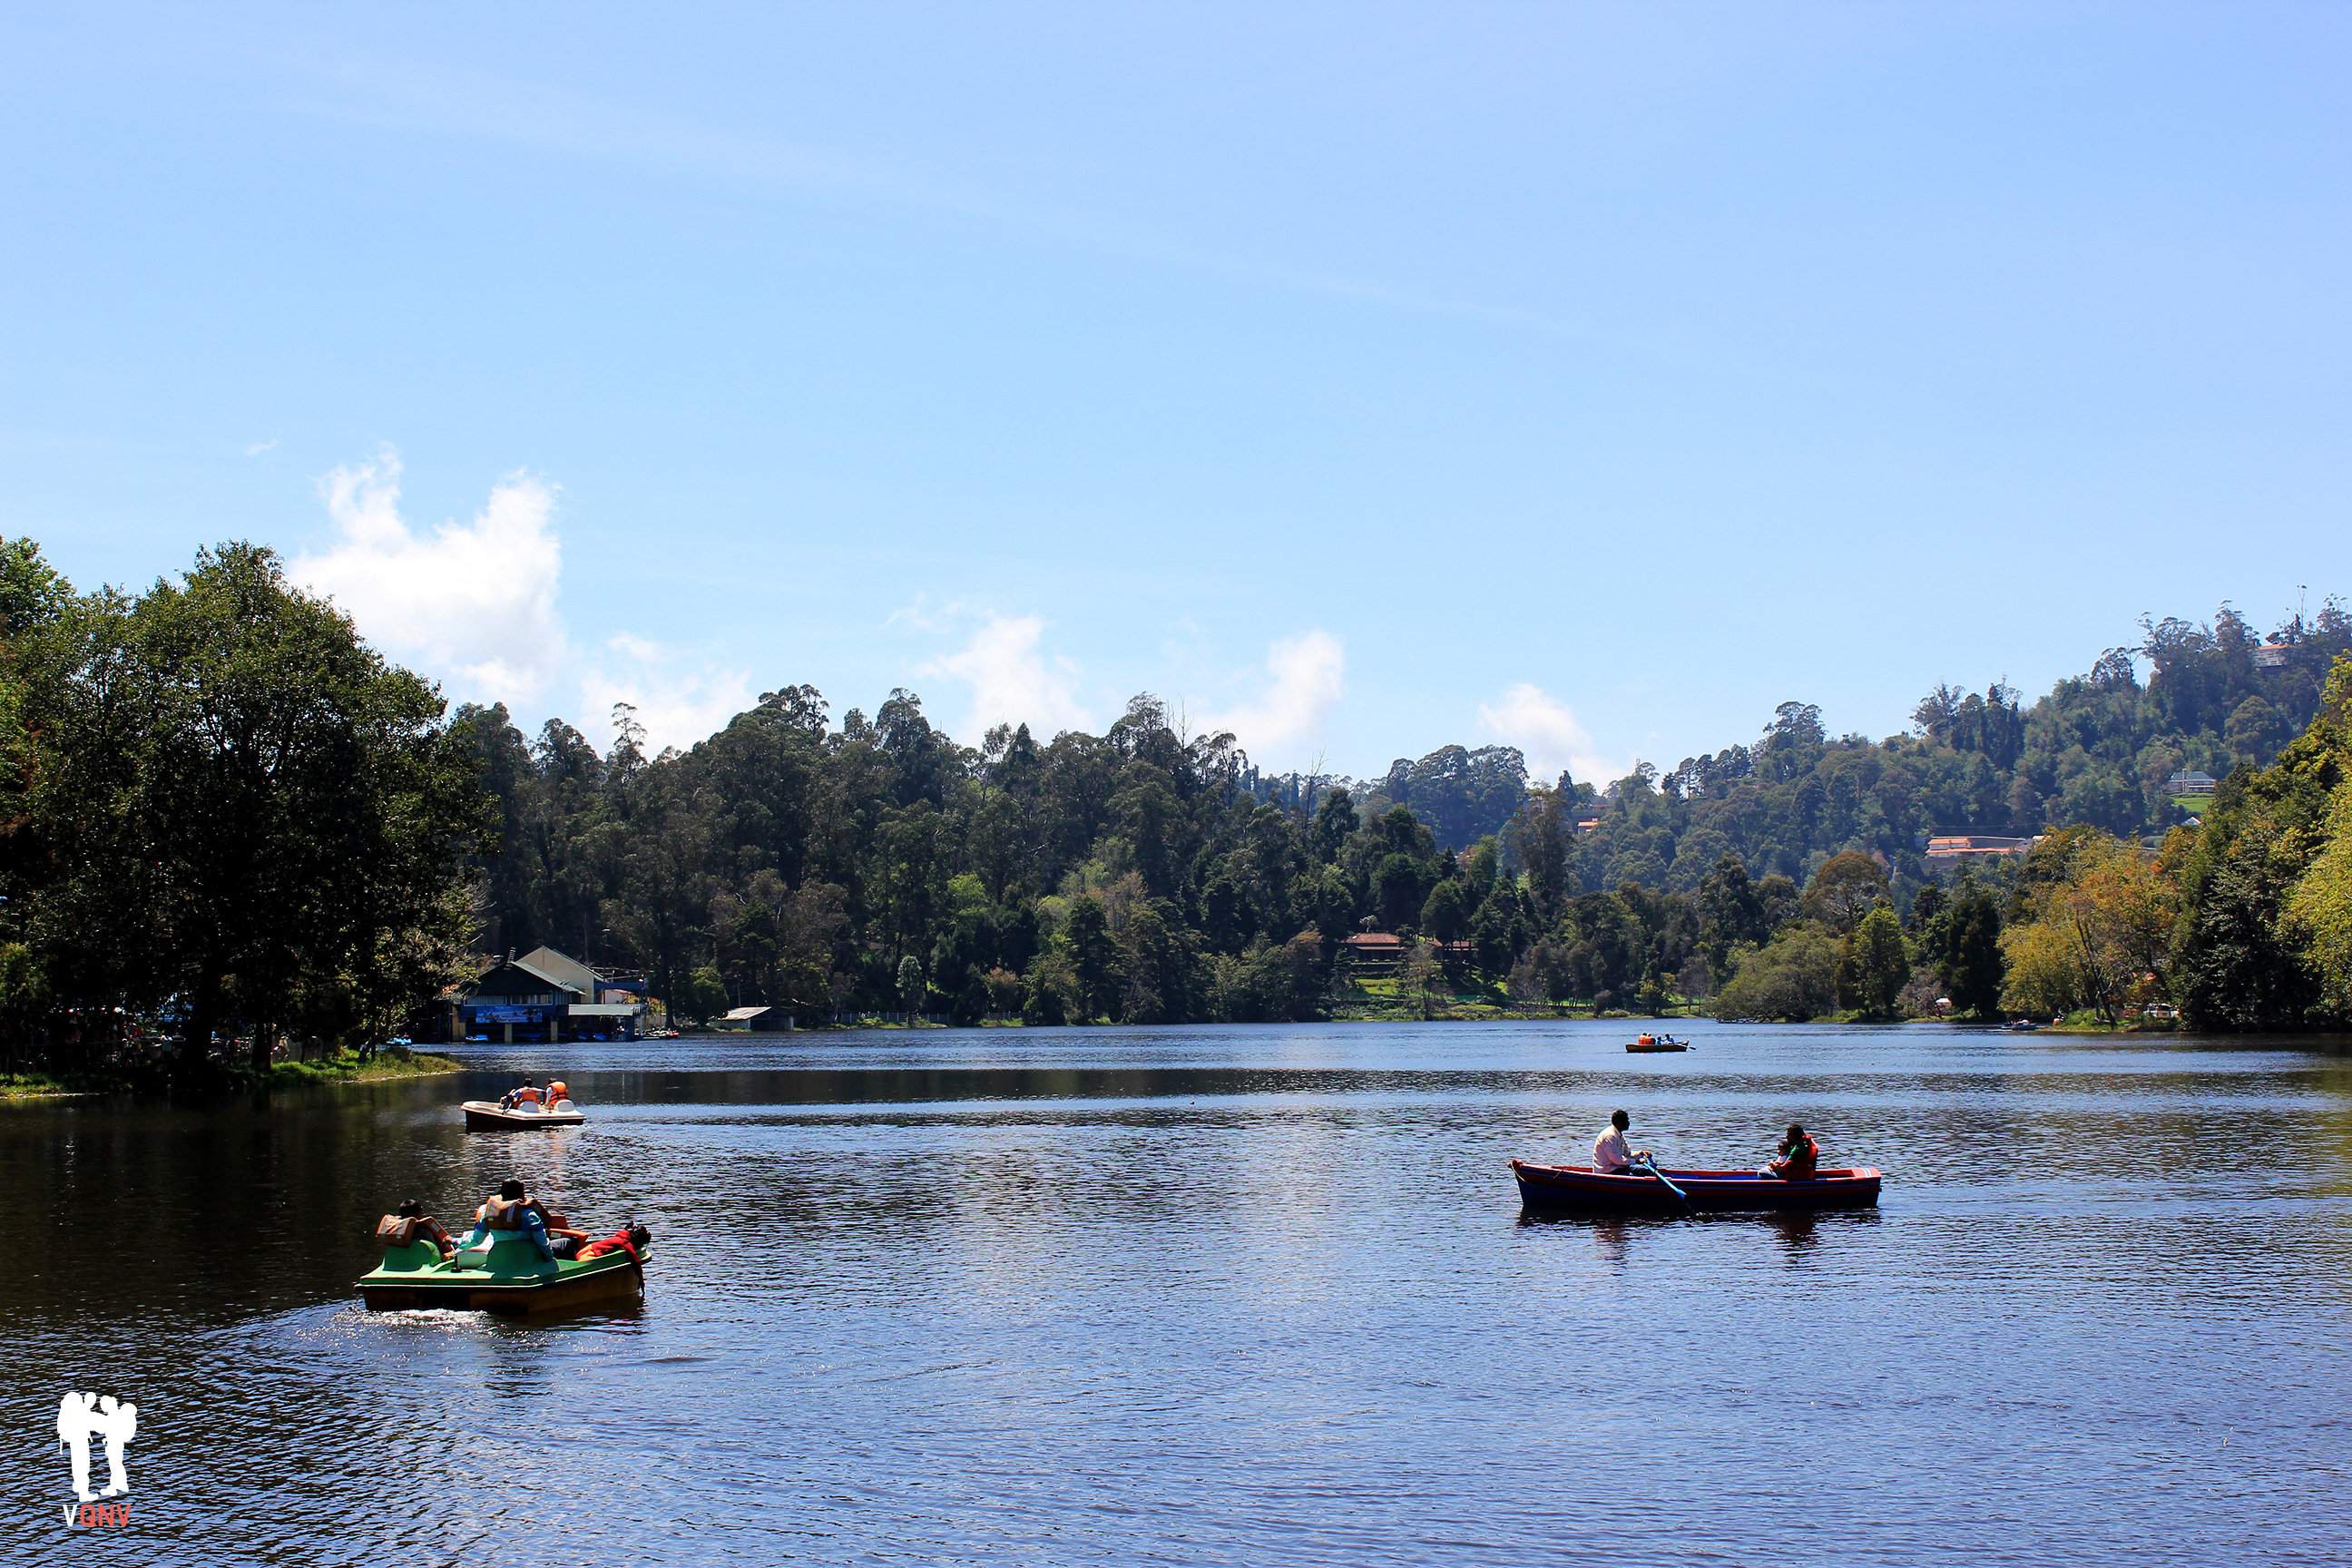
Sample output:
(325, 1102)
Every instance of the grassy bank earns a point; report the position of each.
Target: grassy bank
(344, 1067)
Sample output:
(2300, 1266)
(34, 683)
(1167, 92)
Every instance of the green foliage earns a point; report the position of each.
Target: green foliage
(1872, 967)
(1847, 887)
(229, 800)
(700, 994)
(1793, 977)
(1970, 958)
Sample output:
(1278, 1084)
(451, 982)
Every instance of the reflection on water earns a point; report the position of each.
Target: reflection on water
(1255, 1296)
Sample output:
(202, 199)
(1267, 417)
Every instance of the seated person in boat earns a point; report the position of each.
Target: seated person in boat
(561, 1234)
(526, 1095)
(629, 1238)
(557, 1089)
(1611, 1153)
(412, 1223)
(511, 1212)
(1800, 1156)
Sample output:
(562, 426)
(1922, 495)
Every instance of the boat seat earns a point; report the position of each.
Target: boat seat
(560, 1105)
(417, 1255)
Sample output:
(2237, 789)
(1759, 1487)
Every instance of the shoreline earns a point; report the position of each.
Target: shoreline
(344, 1068)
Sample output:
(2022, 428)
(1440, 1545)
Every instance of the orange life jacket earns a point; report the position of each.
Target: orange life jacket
(525, 1096)
(1799, 1162)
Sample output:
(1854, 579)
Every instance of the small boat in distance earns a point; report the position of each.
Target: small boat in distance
(1657, 1043)
(1579, 1187)
(489, 1116)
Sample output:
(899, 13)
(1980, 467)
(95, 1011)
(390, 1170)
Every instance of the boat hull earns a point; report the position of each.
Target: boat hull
(1643, 1050)
(516, 1282)
(1578, 1187)
(489, 1116)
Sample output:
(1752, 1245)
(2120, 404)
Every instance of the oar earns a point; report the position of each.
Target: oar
(1652, 1169)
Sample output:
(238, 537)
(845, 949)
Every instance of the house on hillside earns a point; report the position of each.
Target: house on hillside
(550, 997)
(1966, 846)
(2186, 783)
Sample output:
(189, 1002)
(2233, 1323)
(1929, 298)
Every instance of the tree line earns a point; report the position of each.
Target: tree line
(230, 814)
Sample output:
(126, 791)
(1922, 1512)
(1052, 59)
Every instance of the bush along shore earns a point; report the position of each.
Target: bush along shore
(170, 1076)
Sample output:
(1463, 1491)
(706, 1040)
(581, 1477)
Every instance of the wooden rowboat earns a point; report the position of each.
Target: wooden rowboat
(489, 1116)
(510, 1277)
(1657, 1043)
(1582, 1187)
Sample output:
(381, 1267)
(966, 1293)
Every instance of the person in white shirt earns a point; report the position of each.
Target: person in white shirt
(1611, 1153)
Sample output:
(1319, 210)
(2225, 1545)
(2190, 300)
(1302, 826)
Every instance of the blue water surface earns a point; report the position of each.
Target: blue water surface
(1213, 1295)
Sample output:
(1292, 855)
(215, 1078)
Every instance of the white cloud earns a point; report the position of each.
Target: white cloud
(1308, 672)
(1541, 726)
(472, 603)
(1012, 682)
(258, 448)
(679, 707)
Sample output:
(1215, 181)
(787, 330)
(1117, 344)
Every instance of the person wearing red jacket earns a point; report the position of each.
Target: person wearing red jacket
(628, 1239)
(1800, 1157)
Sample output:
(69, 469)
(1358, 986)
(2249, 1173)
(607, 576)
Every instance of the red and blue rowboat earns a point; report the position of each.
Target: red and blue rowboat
(1582, 1187)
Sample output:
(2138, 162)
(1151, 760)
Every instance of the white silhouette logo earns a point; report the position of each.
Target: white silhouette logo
(81, 1417)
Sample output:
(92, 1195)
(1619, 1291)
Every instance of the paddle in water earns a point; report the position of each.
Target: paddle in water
(1653, 1170)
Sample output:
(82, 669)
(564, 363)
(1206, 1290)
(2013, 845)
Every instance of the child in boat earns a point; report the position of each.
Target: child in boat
(628, 1239)
(1800, 1156)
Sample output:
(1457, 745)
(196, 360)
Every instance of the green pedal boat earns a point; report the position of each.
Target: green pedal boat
(511, 1277)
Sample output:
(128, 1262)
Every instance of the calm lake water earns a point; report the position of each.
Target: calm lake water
(1223, 1295)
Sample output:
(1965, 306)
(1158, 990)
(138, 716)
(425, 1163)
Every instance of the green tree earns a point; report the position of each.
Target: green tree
(274, 818)
(1846, 888)
(1540, 838)
(700, 994)
(1793, 977)
(1873, 968)
(911, 985)
(1444, 914)
(1095, 958)
(1971, 962)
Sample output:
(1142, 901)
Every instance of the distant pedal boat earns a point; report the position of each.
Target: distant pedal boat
(1579, 1187)
(489, 1116)
(1647, 1043)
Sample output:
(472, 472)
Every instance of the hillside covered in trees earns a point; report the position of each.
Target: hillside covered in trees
(229, 818)
(1150, 876)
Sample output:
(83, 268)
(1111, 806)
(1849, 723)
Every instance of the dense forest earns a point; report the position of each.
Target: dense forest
(231, 818)
(1148, 876)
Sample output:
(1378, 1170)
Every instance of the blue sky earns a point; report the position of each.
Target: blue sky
(1362, 378)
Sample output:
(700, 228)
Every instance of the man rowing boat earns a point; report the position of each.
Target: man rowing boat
(1611, 1153)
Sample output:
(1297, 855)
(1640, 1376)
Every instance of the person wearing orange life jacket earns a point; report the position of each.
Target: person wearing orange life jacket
(511, 1212)
(1800, 1157)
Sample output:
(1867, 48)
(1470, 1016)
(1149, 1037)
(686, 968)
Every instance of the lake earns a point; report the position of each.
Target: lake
(1223, 1295)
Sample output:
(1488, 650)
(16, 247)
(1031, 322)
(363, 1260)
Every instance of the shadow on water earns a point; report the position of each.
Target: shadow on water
(1616, 1237)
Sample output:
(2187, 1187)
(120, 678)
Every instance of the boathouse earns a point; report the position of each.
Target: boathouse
(547, 996)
